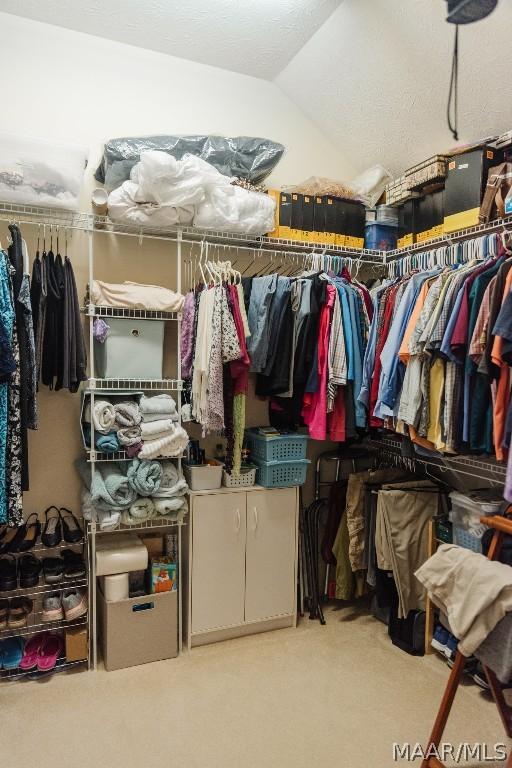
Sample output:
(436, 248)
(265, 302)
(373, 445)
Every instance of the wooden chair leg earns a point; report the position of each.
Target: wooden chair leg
(497, 694)
(445, 708)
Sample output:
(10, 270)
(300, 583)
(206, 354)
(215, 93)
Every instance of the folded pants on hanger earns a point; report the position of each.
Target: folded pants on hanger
(401, 537)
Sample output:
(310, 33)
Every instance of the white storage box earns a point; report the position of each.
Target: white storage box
(119, 553)
(133, 349)
(467, 509)
(35, 172)
(206, 477)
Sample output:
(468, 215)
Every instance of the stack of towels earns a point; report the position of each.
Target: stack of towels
(161, 434)
(131, 495)
(148, 429)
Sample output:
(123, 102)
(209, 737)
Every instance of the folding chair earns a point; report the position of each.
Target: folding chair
(502, 526)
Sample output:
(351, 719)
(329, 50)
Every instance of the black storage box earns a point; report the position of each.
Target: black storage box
(465, 183)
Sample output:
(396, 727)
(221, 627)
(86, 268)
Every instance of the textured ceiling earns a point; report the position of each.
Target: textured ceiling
(254, 37)
(375, 79)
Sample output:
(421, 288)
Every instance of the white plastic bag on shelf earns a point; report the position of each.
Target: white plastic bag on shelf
(123, 207)
(370, 184)
(35, 172)
(165, 181)
(234, 209)
(164, 192)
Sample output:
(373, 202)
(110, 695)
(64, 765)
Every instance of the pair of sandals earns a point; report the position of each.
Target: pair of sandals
(42, 652)
(60, 523)
(15, 612)
(23, 572)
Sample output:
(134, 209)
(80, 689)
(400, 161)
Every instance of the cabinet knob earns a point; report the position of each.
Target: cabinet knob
(255, 511)
(238, 520)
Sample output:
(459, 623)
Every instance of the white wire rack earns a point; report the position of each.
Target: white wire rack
(120, 456)
(135, 314)
(43, 589)
(451, 238)
(7, 675)
(128, 385)
(36, 625)
(482, 468)
(156, 522)
(88, 222)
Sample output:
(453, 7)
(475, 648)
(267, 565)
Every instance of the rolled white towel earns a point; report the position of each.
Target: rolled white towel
(154, 430)
(166, 507)
(171, 482)
(104, 416)
(170, 446)
(142, 509)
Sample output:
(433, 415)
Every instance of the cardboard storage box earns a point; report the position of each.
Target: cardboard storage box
(465, 182)
(138, 630)
(76, 643)
(154, 543)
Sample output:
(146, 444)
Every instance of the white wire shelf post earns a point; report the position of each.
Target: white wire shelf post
(98, 386)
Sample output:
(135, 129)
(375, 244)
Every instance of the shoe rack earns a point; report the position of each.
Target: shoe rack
(35, 623)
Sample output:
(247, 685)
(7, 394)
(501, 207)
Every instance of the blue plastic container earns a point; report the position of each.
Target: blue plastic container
(380, 236)
(282, 474)
(279, 448)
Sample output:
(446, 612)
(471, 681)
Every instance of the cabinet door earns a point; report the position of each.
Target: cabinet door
(218, 561)
(270, 553)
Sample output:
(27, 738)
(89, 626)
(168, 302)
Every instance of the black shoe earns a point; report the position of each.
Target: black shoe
(8, 539)
(52, 534)
(70, 527)
(29, 570)
(74, 564)
(27, 535)
(8, 573)
(53, 569)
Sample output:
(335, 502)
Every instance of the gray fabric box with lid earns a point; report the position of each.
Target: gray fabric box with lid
(133, 349)
(138, 630)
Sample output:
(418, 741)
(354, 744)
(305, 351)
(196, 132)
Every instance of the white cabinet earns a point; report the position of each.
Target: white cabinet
(218, 542)
(270, 554)
(241, 573)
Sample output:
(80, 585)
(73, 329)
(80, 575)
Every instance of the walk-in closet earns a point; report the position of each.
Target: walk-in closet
(255, 384)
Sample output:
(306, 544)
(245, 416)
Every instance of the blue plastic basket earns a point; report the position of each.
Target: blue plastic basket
(282, 474)
(280, 448)
(467, 539)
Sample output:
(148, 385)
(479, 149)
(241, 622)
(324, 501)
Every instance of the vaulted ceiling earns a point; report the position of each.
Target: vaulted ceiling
(372, 74)
(254, 37)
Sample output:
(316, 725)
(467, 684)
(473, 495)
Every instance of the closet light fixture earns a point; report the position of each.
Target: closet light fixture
(462, 12)
(467, 11)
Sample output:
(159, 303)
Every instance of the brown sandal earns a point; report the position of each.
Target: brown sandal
(19, 610)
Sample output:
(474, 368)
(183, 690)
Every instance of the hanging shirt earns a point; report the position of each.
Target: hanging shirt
(314, 411)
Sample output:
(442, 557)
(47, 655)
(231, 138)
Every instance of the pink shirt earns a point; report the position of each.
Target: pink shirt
(314, 404)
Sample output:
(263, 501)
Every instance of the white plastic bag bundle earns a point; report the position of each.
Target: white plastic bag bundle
(164, 192)
(35, 172)
(165, 181)
(234, 209)
(370, 184)
(123, 207)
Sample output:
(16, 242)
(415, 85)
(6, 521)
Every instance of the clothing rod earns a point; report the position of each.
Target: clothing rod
(256, 249)
(37, 216)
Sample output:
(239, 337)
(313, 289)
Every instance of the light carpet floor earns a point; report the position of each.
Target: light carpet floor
(337, 695)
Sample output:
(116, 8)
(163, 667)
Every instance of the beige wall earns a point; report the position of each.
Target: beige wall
(77, 89)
